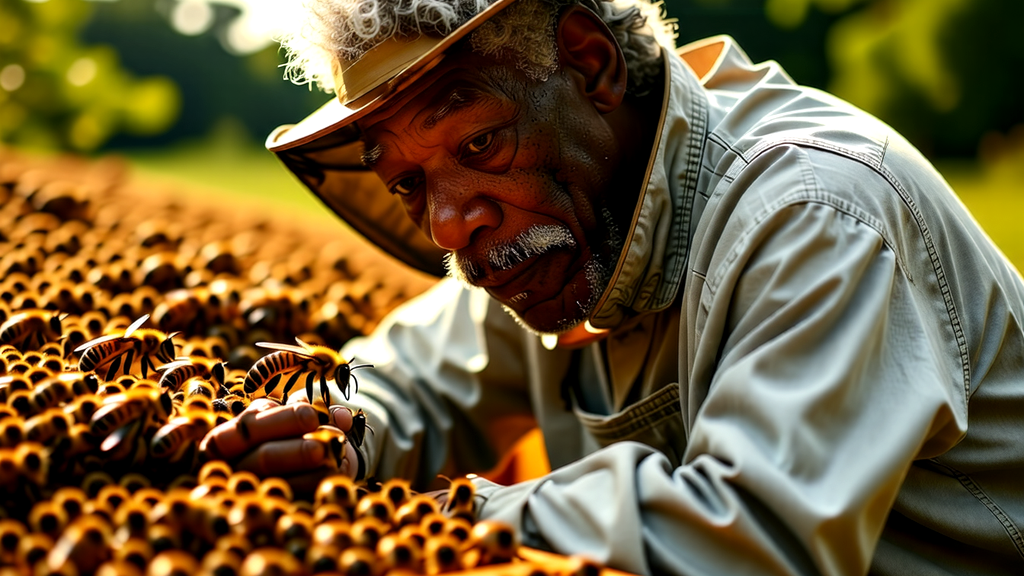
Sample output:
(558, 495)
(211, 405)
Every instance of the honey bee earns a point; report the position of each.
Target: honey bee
(30, 329)
(400, 553)
(124, 419)
(183, 368)
(358, 430)
(51, 392)
(442, 554)
(48, 427)
(312, 361)
(338, 489)
(174, 439)
(130, 353)
(461, 499)
(494, 542)
(414, 510)
(376, 505)
(333, 440)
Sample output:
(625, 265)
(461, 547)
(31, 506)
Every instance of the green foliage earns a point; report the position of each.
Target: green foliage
(57, 93)
(942, 72)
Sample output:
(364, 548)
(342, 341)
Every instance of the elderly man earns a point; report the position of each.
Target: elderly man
(758, 331)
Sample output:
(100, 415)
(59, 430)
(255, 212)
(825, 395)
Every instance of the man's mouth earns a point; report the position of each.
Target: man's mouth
(500, 262)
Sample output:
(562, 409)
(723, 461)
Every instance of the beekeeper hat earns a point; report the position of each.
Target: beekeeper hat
(324, 152)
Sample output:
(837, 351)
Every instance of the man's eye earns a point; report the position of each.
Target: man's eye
(406, 186)
(480, 144)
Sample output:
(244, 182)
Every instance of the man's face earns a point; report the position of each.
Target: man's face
(514, 177)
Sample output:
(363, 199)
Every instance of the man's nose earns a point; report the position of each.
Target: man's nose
(457, 211)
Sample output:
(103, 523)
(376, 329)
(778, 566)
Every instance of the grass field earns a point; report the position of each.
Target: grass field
(227, 165)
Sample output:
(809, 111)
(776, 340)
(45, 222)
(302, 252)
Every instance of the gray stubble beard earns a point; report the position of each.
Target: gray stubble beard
(538, 240)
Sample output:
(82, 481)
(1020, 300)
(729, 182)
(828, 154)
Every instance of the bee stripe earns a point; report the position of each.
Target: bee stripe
(291, 382)
(112, 371)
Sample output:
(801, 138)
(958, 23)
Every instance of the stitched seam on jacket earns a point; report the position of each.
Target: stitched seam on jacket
(968, 483)
(940, 274)
(698, 129)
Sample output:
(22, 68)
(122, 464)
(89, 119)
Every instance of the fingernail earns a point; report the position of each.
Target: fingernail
(314, 450)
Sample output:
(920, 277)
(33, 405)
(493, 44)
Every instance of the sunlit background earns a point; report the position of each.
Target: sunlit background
(188, 89)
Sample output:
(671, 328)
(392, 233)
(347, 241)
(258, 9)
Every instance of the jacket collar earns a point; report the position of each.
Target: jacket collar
(650, 269)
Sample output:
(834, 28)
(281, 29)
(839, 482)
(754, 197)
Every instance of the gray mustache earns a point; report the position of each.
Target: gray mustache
(533, 242)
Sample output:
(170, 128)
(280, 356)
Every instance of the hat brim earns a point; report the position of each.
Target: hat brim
(335, 114)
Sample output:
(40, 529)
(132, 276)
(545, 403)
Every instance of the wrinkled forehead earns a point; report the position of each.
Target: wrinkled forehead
(455, 84)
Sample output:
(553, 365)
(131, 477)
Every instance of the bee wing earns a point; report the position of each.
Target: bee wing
(96, 341)
(284, 348)
(178, 362)
(308, 347)
(136, 325)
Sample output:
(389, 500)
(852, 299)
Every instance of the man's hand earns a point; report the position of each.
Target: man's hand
(266, 439)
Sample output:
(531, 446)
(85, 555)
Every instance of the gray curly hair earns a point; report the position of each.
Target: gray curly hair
(522, 35)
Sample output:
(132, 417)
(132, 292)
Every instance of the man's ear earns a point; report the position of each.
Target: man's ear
(586, 45)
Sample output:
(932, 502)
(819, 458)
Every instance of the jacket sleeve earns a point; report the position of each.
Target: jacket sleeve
(825, 386)
(447, 393)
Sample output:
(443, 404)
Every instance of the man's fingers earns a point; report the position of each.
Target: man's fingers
(342, 417)
(286, 458)
(258, 424)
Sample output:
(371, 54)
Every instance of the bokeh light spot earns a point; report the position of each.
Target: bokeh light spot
(82, 71)
(12, 77)
(192, 17)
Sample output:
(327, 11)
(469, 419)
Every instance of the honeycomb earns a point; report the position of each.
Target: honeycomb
(129, 324)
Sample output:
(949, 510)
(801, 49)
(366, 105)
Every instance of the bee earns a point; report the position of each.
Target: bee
(461, 499)
(358, 430)
(312, 361)
(494, 542)
(49, 427)
(338, 489)
(333, 440)
(174, 439)
(442, 554)
(183, 368)
(397, 491)
(51, 392)
(230, 404)
(376, 505)
(115, 354)
(125, 417)
(414, 510)
(30, 329)
(400, 553)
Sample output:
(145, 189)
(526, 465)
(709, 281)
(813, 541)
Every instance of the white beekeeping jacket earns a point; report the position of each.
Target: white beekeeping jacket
(815, 365)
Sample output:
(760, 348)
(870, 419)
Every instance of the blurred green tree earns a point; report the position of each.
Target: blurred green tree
(59, 93)
(942, 72)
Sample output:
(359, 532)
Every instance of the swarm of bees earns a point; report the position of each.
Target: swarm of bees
(131, 324)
